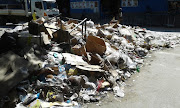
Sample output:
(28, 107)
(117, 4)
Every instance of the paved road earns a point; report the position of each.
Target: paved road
(156, 86)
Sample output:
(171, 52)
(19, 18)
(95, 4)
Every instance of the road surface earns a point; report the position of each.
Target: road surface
(156, 86)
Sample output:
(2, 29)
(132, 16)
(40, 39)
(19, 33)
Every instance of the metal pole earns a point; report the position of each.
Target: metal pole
(85, 31)
(82, 30)
(78, 25)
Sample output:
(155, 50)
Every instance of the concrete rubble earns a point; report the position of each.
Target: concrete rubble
(58, 64)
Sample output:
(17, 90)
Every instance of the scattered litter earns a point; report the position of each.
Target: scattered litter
(70, 66)
(118, 91)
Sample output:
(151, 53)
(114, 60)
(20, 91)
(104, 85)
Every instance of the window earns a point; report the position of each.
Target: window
(38, 5)
(49, 5)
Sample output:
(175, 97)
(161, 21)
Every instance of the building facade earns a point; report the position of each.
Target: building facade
(135, 12)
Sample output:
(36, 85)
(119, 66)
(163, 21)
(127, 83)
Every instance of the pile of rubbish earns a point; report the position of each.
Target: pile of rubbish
(67, 63)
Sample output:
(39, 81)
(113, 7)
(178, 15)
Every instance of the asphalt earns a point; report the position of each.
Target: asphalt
(156, 86)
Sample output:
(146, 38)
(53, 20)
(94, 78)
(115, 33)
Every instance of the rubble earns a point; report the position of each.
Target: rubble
(72, 66)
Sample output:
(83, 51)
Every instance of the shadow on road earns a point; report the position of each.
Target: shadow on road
(163, 29)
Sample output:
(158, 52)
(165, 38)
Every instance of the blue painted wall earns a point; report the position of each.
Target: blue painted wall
(155, 5)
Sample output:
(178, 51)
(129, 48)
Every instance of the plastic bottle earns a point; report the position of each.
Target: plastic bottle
(137, 69)
(30, 99)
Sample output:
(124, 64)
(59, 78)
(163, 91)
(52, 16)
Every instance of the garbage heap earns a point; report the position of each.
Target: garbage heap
(70, 66)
